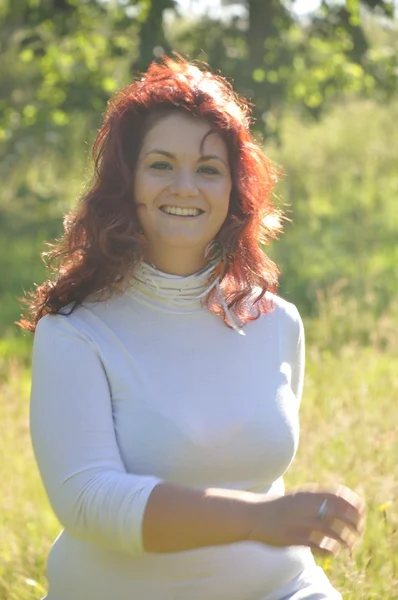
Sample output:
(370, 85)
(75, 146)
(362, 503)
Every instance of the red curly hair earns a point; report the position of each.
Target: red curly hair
(102, 244)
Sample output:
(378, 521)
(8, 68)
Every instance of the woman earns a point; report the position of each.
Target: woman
(167, 375)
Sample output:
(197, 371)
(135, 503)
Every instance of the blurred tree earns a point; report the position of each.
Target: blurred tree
(310, 62)
(62, 59)
(153, 42)
(60, 62)
(341, 183)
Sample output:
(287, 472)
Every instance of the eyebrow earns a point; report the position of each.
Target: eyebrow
(202, 158)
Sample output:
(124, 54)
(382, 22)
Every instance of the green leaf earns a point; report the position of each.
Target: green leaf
(109, 85)
(59, 117)
(259, 75)
(27, 55)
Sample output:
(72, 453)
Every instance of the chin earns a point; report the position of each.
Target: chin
(184, 243)
(183, 239)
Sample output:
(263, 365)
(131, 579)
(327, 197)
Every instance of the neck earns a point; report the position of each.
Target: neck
(176, 261)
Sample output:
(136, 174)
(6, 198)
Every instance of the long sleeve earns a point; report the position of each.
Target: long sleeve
(74, 442)
(127, 395)
(292, 342)
(298, 366)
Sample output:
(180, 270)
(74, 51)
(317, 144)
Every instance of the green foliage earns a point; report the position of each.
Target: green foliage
(281, 61)
(60, 62)
(38, 188)
(340, 185)
(66, 57)
(62, 59)
(339, 189)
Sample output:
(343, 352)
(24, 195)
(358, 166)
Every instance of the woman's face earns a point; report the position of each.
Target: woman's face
(181, 187)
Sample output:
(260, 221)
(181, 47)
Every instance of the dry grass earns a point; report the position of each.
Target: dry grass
(349, 435)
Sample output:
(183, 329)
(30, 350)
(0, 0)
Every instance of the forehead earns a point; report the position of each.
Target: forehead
(179, 133)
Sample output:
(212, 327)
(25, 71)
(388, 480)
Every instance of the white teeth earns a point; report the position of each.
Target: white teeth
(182, 212)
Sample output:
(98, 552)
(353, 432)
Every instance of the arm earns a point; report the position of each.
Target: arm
(74, 441)
(97, 501)
(180, 519)
(91, 493)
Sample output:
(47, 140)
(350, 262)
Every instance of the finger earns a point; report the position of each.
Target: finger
(356, 523)
(324, 532)
(346, 533)
(343, 535)
(321, 544)
(351, 519)
(340, 523)
(330, 545)
(352, 499)
(346, 513)
(343, 495)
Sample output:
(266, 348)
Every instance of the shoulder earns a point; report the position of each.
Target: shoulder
(286, 315)
(89, 322)
(279, 307)
(291, 323)
(284, 309)
(51, 328)
(77, 318)
(62, 337)
(67, 321)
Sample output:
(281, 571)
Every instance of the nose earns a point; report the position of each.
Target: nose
(184, 184)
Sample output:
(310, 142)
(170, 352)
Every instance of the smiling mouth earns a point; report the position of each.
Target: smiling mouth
(176, 211)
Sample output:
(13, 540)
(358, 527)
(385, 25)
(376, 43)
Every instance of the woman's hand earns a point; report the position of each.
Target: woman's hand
(323, 520)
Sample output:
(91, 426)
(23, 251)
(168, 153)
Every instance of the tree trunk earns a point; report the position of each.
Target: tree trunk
(152, 34)
(262, 35)
(261, 27)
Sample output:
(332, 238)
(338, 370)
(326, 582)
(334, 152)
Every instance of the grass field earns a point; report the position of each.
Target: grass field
(349, 435)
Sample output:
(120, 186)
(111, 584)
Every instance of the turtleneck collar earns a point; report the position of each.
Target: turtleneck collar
(178, 294)
(173, 293)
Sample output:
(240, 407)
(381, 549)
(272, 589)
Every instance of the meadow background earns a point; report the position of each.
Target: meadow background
(325, 88)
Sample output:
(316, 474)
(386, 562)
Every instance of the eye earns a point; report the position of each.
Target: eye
(160, 165)
(208, 170)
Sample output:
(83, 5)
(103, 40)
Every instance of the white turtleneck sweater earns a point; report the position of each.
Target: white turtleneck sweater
(146, 387)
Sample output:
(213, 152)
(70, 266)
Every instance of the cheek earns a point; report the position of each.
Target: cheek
(220, 209)
(145, 189)
(137, 187)
(223, 198)
(220, 191)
